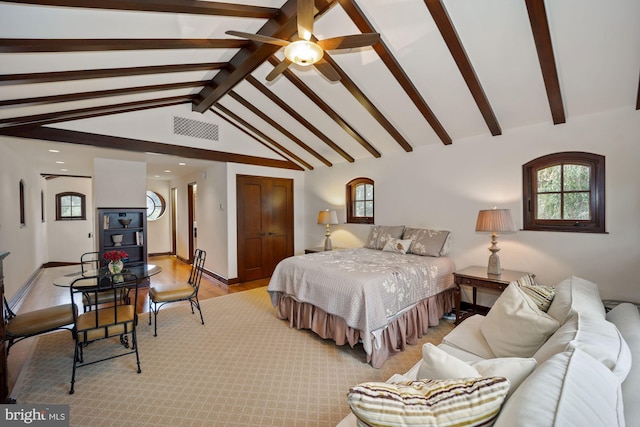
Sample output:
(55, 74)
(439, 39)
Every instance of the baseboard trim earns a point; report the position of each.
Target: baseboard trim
(214, 275)
(17, 299)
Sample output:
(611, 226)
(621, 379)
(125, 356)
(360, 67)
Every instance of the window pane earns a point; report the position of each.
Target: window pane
(359, 211)
(549, 179)
(65, 201)
(576, 178)
(65, 211)
(368, 191)
(548, 206)
(369, 208)
(75, 201)
(76, 211)
(576, 206)
(360, 192)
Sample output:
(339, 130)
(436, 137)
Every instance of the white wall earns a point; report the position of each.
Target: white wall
(159, 230)
(445, 186)
(27, 245)
(119, 184)
(68, 240)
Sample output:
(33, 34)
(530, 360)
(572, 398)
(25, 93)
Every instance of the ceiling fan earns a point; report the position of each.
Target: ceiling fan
(305, 52)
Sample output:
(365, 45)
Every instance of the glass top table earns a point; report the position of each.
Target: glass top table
(142, 271)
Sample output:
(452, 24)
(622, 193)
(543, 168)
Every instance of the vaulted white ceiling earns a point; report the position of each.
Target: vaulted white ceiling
(443, 71)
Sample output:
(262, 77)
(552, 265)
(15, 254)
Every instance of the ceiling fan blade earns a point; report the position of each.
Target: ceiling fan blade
(347, 42)
(305, 19)
(327, 70)
(258, 37)
(279, 69)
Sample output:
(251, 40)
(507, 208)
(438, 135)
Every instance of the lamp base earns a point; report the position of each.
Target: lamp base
(327, 244)
(494, 265)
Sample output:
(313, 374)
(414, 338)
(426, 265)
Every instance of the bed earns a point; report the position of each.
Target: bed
(381, 298)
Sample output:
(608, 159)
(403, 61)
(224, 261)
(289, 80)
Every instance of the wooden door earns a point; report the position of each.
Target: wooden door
(265, 224)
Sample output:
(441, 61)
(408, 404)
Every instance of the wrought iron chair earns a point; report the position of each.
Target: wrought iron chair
(90, 261)
(165, 294)
(24, 325)
(115, 320)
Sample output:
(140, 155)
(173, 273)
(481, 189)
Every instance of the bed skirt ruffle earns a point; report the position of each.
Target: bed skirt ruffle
(407, 328)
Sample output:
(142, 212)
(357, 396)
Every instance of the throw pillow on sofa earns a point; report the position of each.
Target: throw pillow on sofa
(438, 364)
(515, 327)
(542, 296)
(453, 402)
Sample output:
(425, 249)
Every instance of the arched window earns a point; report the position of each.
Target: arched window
(155, 205)
(564, 192)
(360, 201)
(70, 206)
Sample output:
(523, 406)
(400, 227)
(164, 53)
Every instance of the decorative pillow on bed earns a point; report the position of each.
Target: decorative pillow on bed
(381, 234)
(426, 242)
(398, 246)
(452, 402)
(515, 327)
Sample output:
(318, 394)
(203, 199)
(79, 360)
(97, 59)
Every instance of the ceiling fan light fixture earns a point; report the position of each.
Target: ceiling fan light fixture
(303, 52)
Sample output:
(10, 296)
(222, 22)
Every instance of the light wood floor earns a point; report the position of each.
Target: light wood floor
(45, 294)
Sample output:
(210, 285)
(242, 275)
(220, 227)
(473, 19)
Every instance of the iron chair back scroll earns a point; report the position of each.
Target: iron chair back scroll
(114, 320)
(165, 294)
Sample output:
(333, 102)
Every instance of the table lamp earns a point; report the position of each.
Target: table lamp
(495, 221)
(326, 218)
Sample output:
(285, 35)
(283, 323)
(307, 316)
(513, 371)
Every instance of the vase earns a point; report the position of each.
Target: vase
(116, 267)
(117, 239)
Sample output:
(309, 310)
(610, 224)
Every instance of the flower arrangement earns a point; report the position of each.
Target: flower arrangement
(114, 256)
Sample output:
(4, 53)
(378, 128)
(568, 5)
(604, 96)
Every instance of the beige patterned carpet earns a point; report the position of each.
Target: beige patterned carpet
(244, 367)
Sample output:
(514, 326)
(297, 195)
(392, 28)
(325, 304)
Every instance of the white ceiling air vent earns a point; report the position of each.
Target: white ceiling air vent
(195, 128)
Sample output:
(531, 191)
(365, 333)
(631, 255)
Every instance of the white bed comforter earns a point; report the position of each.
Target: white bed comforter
(365, 287)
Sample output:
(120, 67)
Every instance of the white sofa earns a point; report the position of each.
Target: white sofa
(568, 366)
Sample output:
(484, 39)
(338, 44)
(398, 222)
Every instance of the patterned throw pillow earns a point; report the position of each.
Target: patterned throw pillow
(542, 296)
(379, 235)
(398, 246)
(426, 242)
(450, 402)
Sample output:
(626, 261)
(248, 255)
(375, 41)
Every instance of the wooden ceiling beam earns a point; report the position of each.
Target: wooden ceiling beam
(60, 76)
(54, 99)
(262, 135)
(544, 46)
(366, 103)
(169, 6)
(246, 61)
(102, 110)
(90, 45)
(450, 35)
(638, 96)
(326, 108)
(136, 145)
(293, 113)
(363, 24)
(264, 116)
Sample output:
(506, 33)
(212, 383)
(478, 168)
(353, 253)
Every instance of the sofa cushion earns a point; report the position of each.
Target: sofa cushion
(515, 327)
(426, 242)
(576, 295)
(569, 389)
(596, 337)
(398, 246)
(627, 319)
(438, 364)
(468, 338)
(379, 235)
(451, 402)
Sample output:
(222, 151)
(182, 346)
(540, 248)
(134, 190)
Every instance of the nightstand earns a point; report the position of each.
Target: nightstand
(477, 277)
(317, 249)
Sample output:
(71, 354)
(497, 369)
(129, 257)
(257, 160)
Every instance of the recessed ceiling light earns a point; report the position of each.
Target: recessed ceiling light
(167, 171)
(64, 170)
(54, 151)
(182, 163)
(60, 163)
(156, 176)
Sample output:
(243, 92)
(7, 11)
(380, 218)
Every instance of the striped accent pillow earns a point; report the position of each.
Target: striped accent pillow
(448, 402)
(542, 296)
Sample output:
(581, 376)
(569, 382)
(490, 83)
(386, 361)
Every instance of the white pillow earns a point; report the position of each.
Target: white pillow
(438, 364)
(515, 327)
(398, 246)
(576, 295)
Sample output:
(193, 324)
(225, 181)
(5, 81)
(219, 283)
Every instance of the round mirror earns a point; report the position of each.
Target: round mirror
(155, 205)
